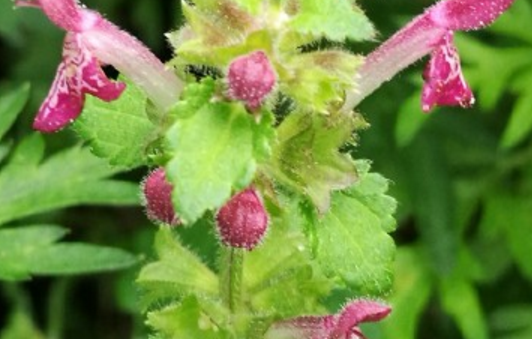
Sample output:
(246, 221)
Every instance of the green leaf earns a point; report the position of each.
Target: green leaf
(319, 79)
(253, 6)
(177, 272)
(433, 201)
(11, 103)
(514, 320)
(77, 258)
(30, 250)
(68, 178)
(461, 301)
(307, 157)
(20, 326)
(28, 153)
(509, 215)
(120, 130)
(516, 22)
(213, 155)
(280, 275)
(520, 122)
(186, 320)
(336, 20)
(410, 119)
(18, 246)
(353, 242)
(411, 292)
(482, 61)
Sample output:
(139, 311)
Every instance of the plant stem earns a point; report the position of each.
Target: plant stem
(56, 308)
(231, 267)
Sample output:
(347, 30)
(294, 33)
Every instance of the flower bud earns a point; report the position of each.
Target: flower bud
(242, 221)
(157, 193)
(251, 78)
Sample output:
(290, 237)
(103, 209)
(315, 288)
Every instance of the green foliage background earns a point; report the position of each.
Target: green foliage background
(463, 179)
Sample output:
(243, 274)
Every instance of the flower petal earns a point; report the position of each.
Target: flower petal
(311, 327)
(418, 38)
(66, 14)
(444, 81)
(61, 106)
(468, 14)
(79, 73)
(356, 312)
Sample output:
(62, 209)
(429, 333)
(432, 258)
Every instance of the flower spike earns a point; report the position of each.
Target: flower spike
(423, 35)
(92, 42)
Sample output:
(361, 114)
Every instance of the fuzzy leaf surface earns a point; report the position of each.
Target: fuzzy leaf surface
(281, 271)
(307, 157)
(186, 320)
(215, 148)
(177, 272)
(354, 244)
(120, 130)
(335, 20)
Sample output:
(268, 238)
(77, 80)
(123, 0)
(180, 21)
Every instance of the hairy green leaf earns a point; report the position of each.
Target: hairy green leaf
(307, 157)
(189, 319)
(177, 272)
(120, 130)
(336, 20)
(280, 274)
(353, 241)
(215, 148)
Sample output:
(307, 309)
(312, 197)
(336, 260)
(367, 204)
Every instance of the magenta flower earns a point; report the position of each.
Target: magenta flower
(444, 82)
(430, 32)
(90, 43)
(343, 325)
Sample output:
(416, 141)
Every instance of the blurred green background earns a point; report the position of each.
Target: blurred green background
(463, 179)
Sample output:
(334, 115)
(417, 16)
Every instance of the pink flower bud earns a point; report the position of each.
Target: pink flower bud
(158, 198)
(242, 221)
(251, 78)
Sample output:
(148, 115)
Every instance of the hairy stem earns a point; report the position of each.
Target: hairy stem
(231, 267)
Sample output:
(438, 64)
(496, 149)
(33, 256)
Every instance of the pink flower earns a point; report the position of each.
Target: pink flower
(444, 82)
(90, 43)
(430, 32)
(343, 325)
(251, 78)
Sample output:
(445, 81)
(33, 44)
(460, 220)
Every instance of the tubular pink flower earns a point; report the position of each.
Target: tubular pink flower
(91, 42)
(420, 37)
(343, 325)
(444, 82)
